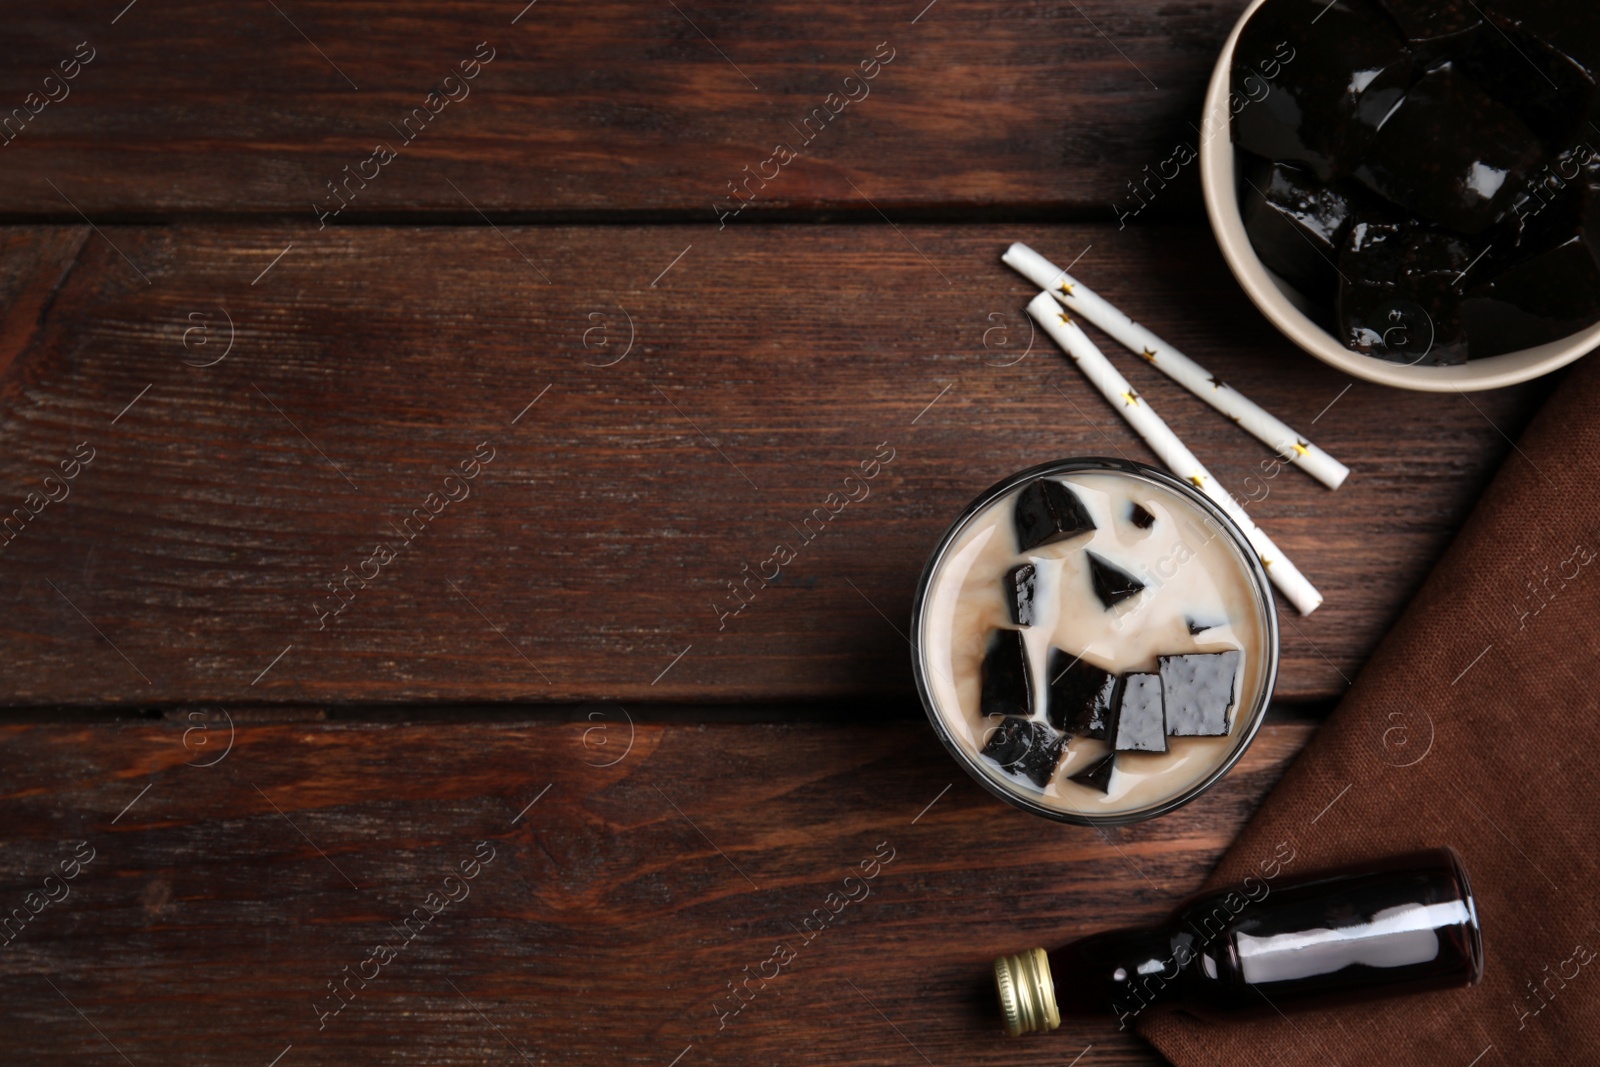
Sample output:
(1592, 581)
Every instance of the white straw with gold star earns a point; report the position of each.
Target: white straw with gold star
(1177, 457)
(1253, 418)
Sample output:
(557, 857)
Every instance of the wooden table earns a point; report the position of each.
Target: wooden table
(262, 294)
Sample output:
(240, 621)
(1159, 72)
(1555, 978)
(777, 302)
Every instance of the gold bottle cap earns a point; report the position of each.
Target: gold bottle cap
(1027, 994)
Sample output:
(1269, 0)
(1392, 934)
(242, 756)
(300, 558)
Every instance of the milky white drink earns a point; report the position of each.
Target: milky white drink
(1138, 629)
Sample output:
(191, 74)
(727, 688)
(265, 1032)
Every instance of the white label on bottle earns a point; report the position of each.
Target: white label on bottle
(1394, 937)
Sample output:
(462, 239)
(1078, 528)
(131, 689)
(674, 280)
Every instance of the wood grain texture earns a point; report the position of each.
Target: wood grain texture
(230, 486)
(228, 886)
(606, 106)
(34, 261)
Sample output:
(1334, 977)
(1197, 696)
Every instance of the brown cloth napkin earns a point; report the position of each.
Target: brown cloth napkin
(1476, 724)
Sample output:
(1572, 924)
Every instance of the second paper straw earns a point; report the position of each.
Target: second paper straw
(1173, 453)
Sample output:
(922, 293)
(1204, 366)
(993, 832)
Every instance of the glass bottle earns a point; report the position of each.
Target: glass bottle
(1397, 925)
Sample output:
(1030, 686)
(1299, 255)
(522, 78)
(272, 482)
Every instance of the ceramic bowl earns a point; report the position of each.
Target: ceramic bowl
(1287, 310)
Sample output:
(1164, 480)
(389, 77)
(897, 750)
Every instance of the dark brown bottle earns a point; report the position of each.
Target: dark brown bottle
(1398, 925)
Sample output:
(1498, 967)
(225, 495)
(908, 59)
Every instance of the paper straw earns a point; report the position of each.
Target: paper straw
(1254, 419)
(1178, 459)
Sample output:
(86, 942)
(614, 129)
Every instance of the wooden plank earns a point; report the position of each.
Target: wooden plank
(637, 870)
(629, 486)
(597, 107)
